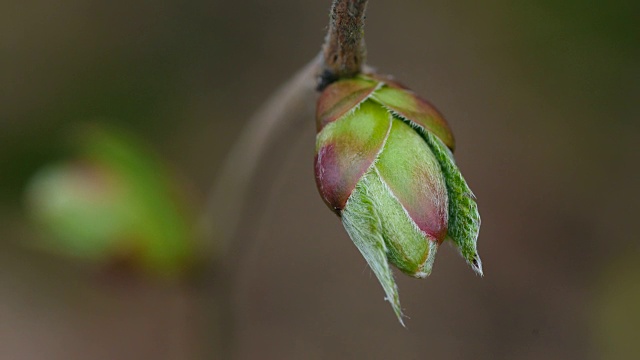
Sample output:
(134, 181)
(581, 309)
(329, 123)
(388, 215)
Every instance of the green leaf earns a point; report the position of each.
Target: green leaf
(464, 219)
(362, 223)
(384, 233)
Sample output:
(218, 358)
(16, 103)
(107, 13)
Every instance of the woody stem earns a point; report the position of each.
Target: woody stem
(344, 50)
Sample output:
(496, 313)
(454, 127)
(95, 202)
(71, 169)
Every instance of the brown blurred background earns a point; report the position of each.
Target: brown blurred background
(543, 97)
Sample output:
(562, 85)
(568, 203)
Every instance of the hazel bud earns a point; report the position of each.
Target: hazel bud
(384, 165)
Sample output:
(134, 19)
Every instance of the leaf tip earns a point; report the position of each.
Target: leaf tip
(476, 265)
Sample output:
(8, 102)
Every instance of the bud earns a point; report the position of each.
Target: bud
(384, 165)
(113, 202)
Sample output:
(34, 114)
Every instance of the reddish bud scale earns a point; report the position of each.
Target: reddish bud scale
(348, 149)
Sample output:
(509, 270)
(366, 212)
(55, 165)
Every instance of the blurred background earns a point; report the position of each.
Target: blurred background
(543, 97)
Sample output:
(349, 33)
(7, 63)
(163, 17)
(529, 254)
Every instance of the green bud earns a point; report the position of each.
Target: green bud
(112, 202)
(384, 165)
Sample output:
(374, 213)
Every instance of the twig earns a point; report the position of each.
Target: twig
(344, 50)
(229, 195)
(229, 201)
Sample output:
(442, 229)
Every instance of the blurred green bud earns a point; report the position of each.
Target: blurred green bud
(113, 202)
(384, 164)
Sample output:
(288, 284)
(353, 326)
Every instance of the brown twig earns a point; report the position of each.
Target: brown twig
(229, 202)
(230, 193)
(344, 50)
